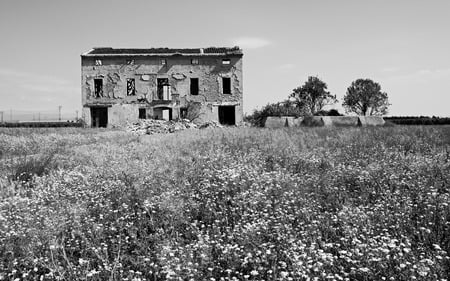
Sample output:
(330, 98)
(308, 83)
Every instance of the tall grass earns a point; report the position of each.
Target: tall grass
(233, 204)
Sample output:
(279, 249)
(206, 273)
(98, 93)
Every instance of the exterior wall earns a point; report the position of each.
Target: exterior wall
(282, 121)
(120, 114)
(146, 69)
(86, 115)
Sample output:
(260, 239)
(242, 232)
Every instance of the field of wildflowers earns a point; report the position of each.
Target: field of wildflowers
(225, 204)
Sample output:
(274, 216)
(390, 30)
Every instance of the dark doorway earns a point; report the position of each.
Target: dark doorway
(162, 113)
(142, 113)
(227, 115)
(99, 117)
(183, 112)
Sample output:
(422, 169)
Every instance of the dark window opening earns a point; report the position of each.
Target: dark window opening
(99, 117)
(163, 62)
(226, 61)
(226, 85)
(194, 86)
(163, 89)
(142, 113)
(98, 88)
(131, 89)
(227, 115)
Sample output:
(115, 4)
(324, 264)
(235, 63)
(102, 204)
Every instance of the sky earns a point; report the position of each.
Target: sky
(404, 45)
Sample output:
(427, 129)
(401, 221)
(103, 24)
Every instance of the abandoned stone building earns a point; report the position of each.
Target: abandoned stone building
(124, 85)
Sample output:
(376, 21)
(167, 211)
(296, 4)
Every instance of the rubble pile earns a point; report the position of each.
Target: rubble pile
(210, 124)
(152, 126)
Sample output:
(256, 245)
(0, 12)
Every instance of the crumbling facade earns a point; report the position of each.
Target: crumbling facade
(124, 85)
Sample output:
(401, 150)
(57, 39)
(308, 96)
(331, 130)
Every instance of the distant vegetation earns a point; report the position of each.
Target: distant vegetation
(225, 204)
(363, 97)
(418, 120)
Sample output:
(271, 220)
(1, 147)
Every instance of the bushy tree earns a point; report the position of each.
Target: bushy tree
(331, 112)
(313, 95)
(364, 97)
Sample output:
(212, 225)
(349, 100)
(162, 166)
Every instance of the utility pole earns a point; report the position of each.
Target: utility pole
(77, 114)
(1, 112)
(60, 112)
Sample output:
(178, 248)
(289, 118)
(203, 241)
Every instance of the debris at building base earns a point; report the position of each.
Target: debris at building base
(153, 126)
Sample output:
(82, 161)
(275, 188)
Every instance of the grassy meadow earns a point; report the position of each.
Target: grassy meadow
(225, 204)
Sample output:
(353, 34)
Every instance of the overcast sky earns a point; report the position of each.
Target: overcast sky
(404, 45)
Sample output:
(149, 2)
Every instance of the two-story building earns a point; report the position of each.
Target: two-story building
(124, 85)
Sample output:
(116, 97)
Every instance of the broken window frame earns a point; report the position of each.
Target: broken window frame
(194, 87)
(194, 61)
(161, 84)
(131, 87)
(98, 62)
(98, 87)
(226, 61)
(162, 61)
(226, 85)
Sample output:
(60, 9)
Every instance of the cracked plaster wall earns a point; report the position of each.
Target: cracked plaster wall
(114, 71)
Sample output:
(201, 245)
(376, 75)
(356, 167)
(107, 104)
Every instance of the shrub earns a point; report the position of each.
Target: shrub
(29, 166)
(285, 108)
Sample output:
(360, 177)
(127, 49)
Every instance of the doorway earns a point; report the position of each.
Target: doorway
(142, 113)
(99, 117)
(227, 115)
(162, 113)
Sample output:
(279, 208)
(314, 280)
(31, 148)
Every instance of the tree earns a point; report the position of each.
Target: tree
(364, 97)
(313, 95)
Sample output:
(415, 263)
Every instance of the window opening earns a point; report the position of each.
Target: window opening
(98, 88)
(131, 89)
(130, 62)
(98, 62)
(163, 61)
(194, 61)
(163, 89)
(226, 85)
(226, 61)
(194, 86)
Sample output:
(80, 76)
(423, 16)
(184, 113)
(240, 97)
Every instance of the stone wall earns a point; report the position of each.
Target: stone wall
(318, 121)
(285, 121)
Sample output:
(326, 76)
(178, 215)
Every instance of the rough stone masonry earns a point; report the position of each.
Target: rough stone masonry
(125, 85)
